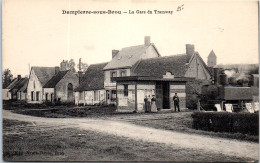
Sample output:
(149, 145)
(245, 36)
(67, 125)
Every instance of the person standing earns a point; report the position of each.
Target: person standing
(153, 107)
(146, 104)
(149, 103)
(176, 101)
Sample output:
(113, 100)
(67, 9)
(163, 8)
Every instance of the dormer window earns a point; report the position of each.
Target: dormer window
(113, 74)
(123, 73)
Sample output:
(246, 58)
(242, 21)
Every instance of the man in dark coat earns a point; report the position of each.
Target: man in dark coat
(146, 104)
(176, 101)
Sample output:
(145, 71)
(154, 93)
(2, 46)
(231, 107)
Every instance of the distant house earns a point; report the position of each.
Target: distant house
(22, 92)
(12, 90)
(15, 91)
(51, 84)
(122, 64)
(91, 90)
(39, 76)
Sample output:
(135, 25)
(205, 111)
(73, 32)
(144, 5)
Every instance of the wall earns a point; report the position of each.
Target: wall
(61, 88)
(197, 70)
(107, 79)
(150, 53)
(87, 97)
(180, 89)
(49, 91)
(5, 94)
(144, 89)
(34, 85)
(21, 96)
(126, 103)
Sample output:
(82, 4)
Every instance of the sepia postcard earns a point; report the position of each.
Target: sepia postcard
(132, 80)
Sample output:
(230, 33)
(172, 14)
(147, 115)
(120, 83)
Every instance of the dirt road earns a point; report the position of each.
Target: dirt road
(119, 128)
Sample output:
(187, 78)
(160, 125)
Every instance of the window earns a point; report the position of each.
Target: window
(70, 92)
(113, 96)
(37, 96)
(113, 74)
(123, 73)
(125, 90)
(32, 94)
(95, 95)
(34, 84)
(52, 97)
(46, 96)
(81, 95)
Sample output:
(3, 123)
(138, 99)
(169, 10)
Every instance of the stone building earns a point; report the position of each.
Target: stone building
(91, 90)
(141, 70)
(212, 59)
(186, 73)
(122, 64)
(61, 87)
(132, 90)
(51, 84)
(15, 90)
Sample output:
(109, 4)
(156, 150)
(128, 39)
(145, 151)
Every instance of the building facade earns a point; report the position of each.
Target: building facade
(122, 64)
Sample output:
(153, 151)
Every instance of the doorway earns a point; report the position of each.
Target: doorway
(165, 92)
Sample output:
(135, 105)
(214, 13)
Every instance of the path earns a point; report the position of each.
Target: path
(125, 129)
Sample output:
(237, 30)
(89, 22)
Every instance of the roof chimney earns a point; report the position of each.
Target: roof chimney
(57, 69)
(64, 65)
(114, 53)
(189, 51)
(18, 77)
(147, 40)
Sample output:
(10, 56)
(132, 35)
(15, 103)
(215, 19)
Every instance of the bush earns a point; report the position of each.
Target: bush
(245, 123)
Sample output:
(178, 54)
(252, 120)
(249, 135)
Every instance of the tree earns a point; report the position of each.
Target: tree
(7, 77)
(82, 66)
(72, 65)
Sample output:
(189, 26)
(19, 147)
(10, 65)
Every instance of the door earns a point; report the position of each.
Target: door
(107, 96)
(159, 95)
(166, 97)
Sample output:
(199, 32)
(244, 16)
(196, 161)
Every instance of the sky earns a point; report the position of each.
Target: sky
(36, 33)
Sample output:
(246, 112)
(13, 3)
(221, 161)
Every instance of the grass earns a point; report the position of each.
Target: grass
(182, 122)
(23, 141)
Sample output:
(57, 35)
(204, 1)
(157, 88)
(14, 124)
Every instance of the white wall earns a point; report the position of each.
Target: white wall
(87, 97)
(49, 91)
(5, 94)
(107, 80)
(150, 53)
(38, 87)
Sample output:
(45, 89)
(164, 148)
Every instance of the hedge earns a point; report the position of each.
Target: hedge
(245, 123)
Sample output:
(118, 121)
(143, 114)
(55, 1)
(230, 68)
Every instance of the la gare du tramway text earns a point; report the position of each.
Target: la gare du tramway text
(116, 12)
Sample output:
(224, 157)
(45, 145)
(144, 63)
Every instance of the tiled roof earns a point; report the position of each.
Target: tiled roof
(127, 57)
(12, 84)
(157, 67)
(55, 79)
(93, 78)
(44, 74)
(19, 84)
(24, 87)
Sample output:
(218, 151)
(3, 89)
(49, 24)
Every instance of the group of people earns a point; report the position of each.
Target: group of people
(150, 103)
